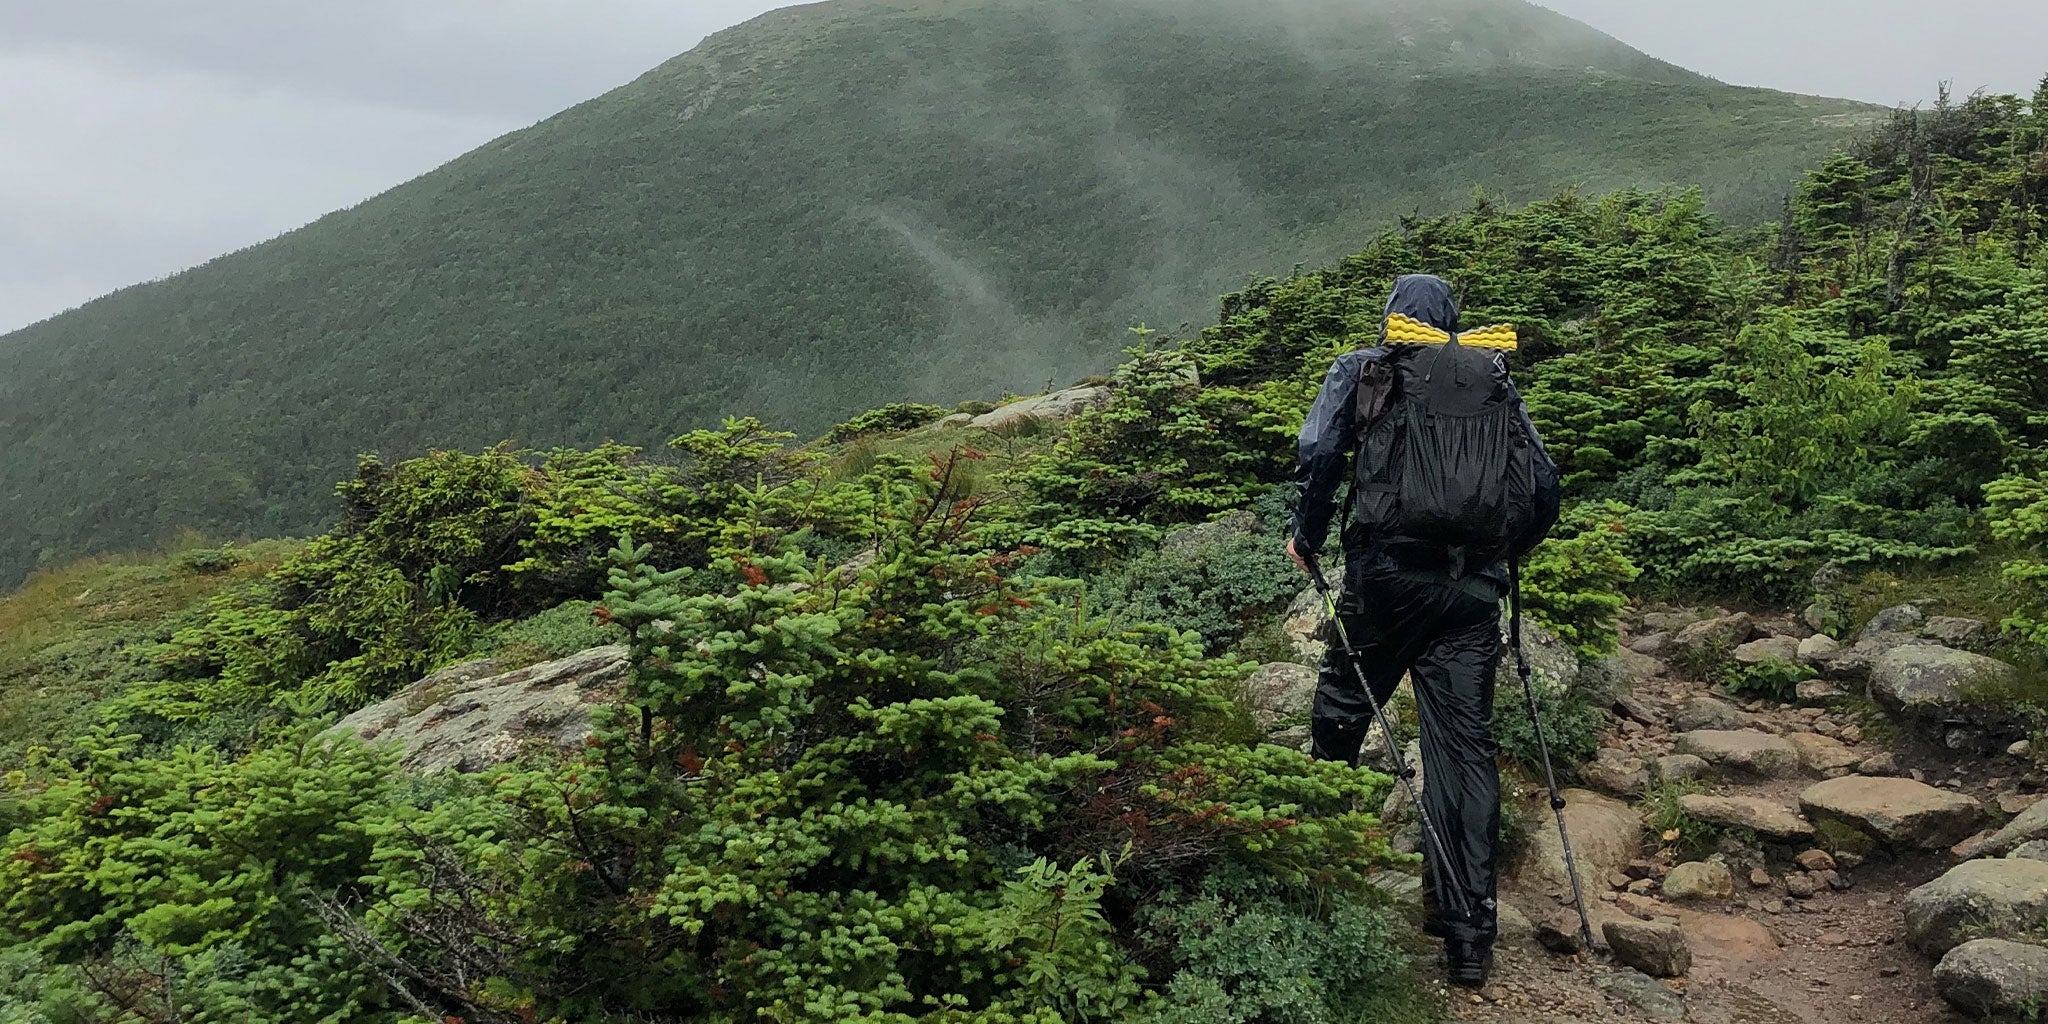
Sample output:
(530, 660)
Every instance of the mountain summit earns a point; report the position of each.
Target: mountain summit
(826, 208)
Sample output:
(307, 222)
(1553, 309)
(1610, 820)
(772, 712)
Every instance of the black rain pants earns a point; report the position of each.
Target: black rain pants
(1448, 637)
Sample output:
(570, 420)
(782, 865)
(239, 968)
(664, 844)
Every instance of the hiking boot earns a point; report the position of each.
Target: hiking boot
(1469, 963)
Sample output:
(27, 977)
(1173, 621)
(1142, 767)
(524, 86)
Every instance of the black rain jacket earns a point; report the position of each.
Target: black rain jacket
(1324, 453)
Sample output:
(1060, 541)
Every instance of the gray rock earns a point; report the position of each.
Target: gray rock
(1637, 665)
(2032, 849)
(1645, 994)
(1656, 948)
(1306, 626)
(1901, 618)
(1699, 880)
(2025, 827)
(462, 719)
(1812, 649)
(1620, 778)
(1673, 621)
(1764, 817)
(1725, 632)
(1770, 648)
(1956, 631)
(1279, 695)
(1978, 899)
(1679, 767)
(1818, 693)
(1552, 662)
(1052, 408)
(2022, 749)
(1994, 977)
(1606, 835)
(1560, 932)
(1403, 888)
(954, 421)
(1650, 712)
(1821, 754)
(1880, 765)
(1852, 664)
(1899, 812)
(1707, 713)
(1652, 645)
(1514, 928)
(1742, 752)
(1927, 681)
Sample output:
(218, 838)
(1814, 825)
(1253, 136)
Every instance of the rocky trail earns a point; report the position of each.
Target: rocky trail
(1874, 851)
(1857, 868)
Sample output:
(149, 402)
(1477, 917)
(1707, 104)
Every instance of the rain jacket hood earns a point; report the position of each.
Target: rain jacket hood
(1426, 298)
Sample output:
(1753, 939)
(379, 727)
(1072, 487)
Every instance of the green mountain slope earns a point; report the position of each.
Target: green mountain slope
(824, 209)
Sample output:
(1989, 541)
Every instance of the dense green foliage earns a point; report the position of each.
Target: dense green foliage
(832, 207)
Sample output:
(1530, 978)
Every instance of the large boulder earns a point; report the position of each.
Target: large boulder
(1898, 812)
(1851, 664)
(1994, 978)
(1764, 817)
(1052, 408)
(1744, 752)
(1552, 663)
(1656, 948)
(1606, 835)
(2027, 826)
(469, 717)
(1279, 696)
(1926, 681)
(1978, 899)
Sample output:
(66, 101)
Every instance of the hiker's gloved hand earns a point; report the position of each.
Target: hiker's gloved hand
(1297, 556)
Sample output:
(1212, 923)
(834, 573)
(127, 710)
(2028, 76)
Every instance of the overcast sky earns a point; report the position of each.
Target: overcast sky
(139, 137)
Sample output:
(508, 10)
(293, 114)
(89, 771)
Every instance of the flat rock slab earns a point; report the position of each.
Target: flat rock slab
(1979, 899)
(1764, 817)
(457, 720)
(1928, 680)
(1606, 835)
(1742, 752)
(1645, 994)
(1994, 977)
(1899, 812)
(1057, 406)
(1822, 754)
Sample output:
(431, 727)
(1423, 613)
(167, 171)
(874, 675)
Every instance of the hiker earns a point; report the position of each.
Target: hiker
(1449, 482)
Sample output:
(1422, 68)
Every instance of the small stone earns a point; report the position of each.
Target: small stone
(1513, 927)
(1699, 880)
(1771, 648)
(1969, 848)
(1618, 880)
(1816, 647)
(1642, 886)
(1707, 713)
(1815, 860)
(1800, 886)
(1852, 735)
(1774, 906)
(1656, 948)
(1956, 631)
(1821, 754)
(1848, 859)
(2022, 749)
(2015, 803)
(1760, 878)
(1896, 619)
(1879, 766)
(1832, 939)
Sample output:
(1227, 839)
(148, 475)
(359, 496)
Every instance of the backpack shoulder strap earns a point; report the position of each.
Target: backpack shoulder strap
(1375, 390)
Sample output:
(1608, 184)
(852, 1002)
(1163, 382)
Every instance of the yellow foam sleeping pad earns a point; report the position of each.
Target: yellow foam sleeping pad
(1406, 330)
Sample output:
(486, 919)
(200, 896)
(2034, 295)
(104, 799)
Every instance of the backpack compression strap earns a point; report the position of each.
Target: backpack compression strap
(1403, 329)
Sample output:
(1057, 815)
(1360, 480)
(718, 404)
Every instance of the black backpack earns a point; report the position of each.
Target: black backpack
(1447, 466)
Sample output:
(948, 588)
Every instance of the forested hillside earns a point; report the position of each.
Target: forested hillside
(831, 207)
(925, 722)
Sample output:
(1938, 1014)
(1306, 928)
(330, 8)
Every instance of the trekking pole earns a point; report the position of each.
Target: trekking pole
(1403, 771)
(1564, 836)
